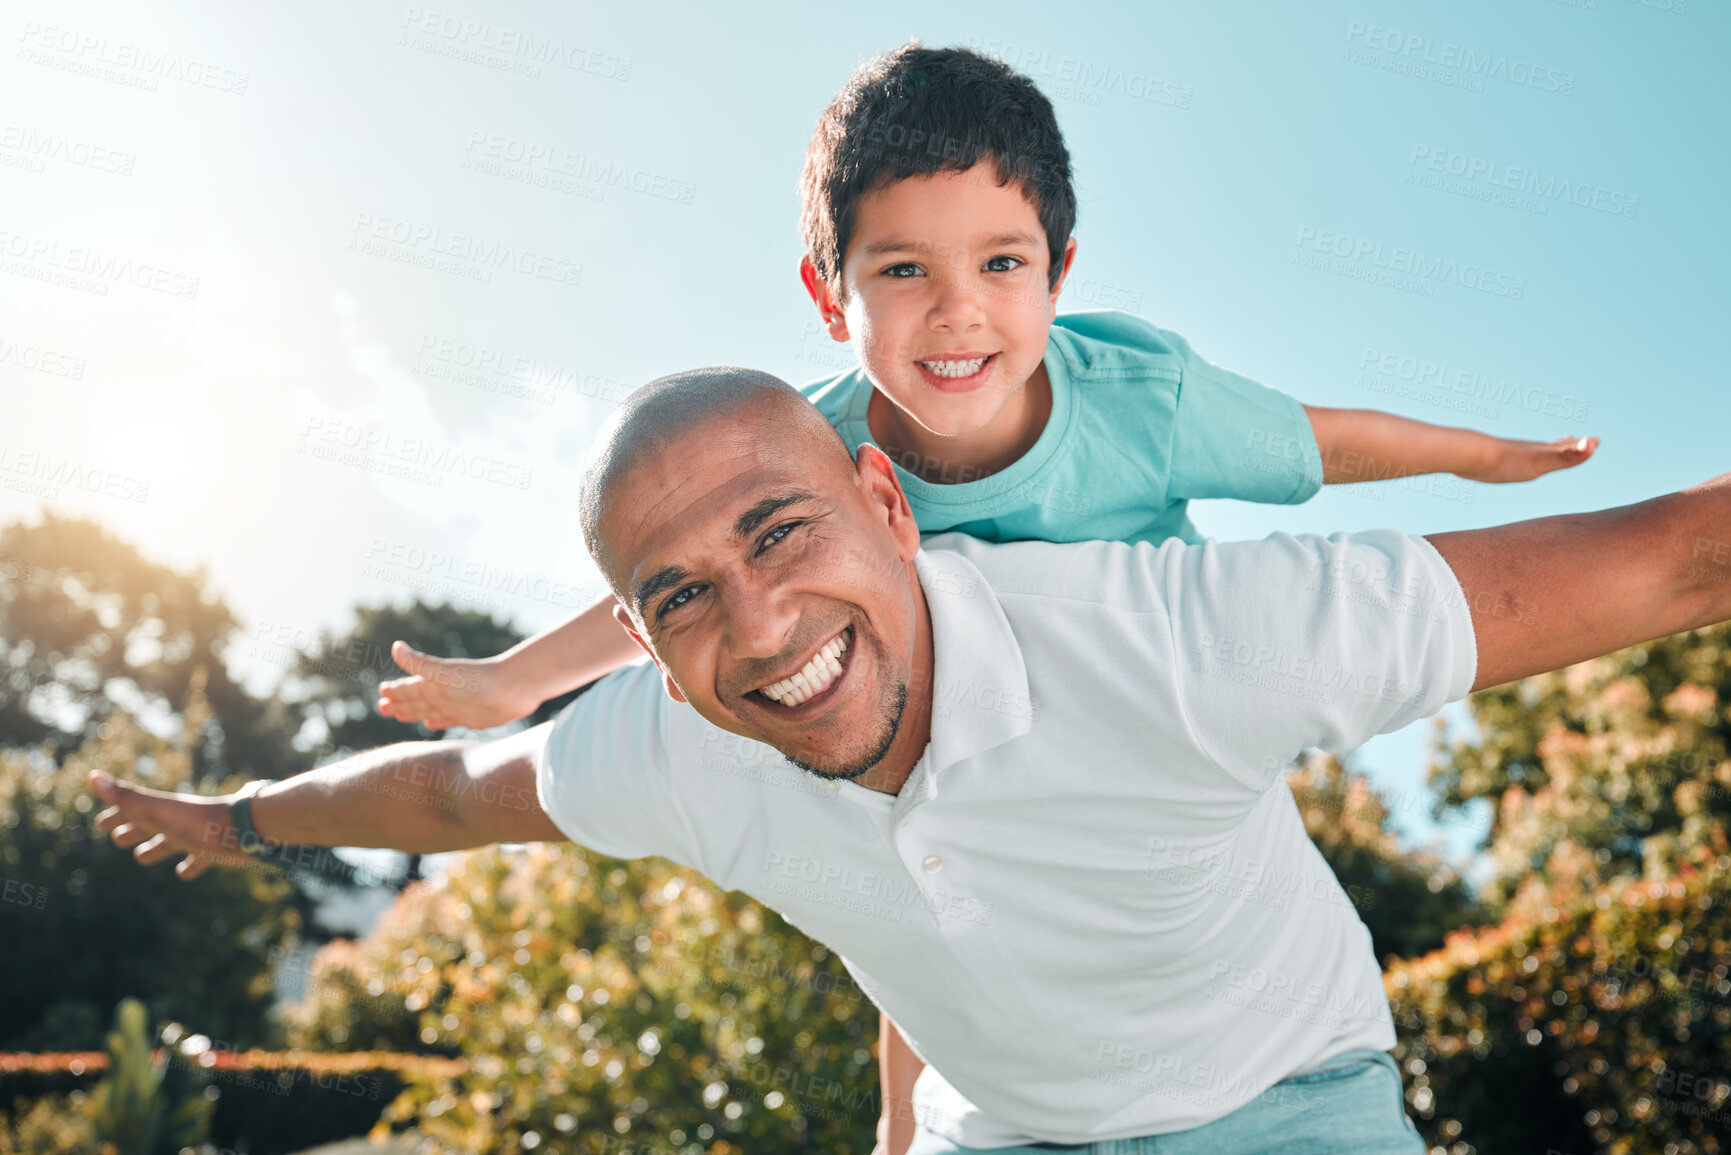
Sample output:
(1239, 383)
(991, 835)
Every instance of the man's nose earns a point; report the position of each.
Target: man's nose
(761, 618)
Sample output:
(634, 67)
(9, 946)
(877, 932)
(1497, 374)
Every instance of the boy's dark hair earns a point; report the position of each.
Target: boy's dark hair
(916, 111)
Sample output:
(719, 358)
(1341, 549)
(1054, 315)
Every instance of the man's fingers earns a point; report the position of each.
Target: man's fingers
(130, 834)
(156, 849)
(108, 819)
(191, 867)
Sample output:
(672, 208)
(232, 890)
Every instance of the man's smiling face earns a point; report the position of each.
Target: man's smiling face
(771, 579)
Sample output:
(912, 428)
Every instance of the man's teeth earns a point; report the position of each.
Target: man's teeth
(956, 368)
(812, 680)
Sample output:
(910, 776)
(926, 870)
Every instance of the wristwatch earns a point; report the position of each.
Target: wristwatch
(240, 813)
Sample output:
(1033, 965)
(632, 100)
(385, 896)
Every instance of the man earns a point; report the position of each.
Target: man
(1041, 810)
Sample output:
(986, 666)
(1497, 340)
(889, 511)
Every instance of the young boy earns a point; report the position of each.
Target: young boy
(937, 215)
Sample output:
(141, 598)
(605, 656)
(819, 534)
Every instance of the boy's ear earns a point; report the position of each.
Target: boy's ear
(884, 490)
(1069, 259)
(834, 319)
(623, 617)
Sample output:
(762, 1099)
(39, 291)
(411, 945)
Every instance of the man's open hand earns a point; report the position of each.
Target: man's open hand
(157, 825)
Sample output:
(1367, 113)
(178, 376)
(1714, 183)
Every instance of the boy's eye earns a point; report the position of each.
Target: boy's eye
(903, 270)
(1004, 264)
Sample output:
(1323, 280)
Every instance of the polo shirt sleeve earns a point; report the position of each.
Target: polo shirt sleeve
(1235, 438)
(1296, 642)
(606, 774)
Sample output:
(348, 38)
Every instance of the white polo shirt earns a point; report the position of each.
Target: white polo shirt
(1092, 909)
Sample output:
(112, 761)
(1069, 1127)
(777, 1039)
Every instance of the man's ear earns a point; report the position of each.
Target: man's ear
(1069, 259)
(834, 319)
(623, 617)
(884, 490)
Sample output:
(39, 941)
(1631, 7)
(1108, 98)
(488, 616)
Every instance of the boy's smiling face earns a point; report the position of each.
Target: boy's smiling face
(946, 296)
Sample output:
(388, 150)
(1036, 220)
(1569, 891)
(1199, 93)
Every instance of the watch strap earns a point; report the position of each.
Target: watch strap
(240, 814)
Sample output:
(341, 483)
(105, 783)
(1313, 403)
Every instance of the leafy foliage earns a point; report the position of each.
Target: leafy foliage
(145, 1106)
(83, 925)
(1605, 1025)
(1611, 768)
(1408, 901)
(603, 1002)
(87, 623)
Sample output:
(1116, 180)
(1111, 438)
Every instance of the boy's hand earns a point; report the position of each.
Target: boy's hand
(1525, 460)
(445, 692)
(156, 826)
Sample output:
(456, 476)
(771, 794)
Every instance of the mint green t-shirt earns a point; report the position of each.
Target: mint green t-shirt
(1140, 425)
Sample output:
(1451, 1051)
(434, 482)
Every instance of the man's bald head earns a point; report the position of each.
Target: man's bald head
(658, 417)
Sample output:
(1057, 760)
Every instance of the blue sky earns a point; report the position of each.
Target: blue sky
(251, 310)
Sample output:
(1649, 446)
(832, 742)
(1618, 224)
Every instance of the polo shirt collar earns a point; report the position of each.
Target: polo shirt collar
(980, 683)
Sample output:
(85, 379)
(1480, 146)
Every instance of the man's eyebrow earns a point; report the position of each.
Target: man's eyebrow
(660, 580)
(747, 523)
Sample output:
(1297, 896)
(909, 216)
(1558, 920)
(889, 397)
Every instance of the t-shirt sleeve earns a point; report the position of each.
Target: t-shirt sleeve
(1235, 438)
(606, 776)
(1295, 642)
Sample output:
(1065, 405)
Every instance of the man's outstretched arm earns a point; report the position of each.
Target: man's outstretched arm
(421, 797)
(1558, 590)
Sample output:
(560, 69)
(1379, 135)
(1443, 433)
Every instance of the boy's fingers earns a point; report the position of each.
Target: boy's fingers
(407, 657)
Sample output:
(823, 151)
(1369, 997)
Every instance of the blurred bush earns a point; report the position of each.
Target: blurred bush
(83, 926)
(602, 1003)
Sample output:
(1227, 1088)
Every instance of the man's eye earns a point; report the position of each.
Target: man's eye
(1004, 264)
(775, 535)
(679, 598)
(903, 270)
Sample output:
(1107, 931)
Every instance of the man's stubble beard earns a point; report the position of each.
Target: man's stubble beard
(893, 720)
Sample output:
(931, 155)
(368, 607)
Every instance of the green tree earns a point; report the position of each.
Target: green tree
(82, 925)
(1609, 769)
(86, 622)
(146, 1106)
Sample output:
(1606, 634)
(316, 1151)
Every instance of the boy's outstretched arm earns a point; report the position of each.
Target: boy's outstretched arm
(1369, 445)
(1550, 592)
(422, 797)
(477, 693)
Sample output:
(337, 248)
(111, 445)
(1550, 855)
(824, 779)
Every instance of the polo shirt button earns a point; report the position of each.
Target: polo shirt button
(932, 864)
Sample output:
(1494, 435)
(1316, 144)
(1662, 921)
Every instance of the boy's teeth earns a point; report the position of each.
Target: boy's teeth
(956, 368)
(811, 680)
